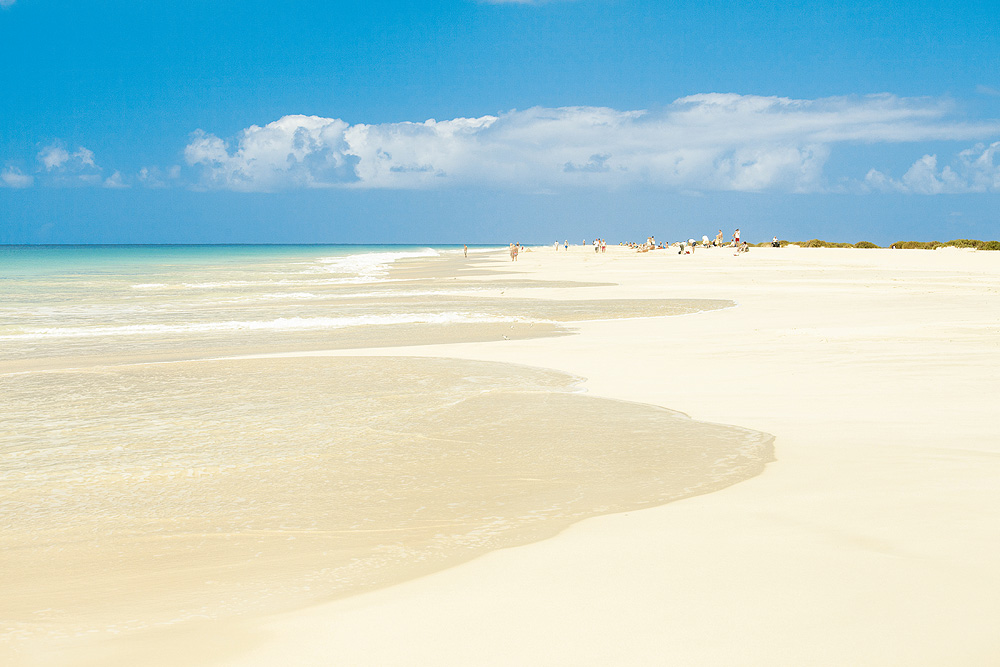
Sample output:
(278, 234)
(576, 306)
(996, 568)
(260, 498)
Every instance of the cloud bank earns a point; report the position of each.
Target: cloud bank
(12, 177)
(58, 166)
(701, 142)
(974, 170)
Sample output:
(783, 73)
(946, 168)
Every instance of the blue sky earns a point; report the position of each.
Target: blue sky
(472, 121)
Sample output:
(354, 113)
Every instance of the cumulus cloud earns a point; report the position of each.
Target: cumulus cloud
(154, 177)
(701, 142)
(115, 181)
(58, 165)
(976, 169)
(12, 177)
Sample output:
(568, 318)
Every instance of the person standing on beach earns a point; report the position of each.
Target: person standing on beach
(736, 237)
(465, 249)
(718, 239)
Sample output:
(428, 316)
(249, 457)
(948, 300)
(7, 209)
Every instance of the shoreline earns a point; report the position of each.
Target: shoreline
(869, 540)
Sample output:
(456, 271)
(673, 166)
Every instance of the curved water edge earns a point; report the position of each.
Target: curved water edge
(151, 495)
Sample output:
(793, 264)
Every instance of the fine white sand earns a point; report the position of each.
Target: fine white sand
(872, 540)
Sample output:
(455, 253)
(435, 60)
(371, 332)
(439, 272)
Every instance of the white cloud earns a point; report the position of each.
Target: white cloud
(59, 166)
(702, 142)
(975, 169)
(53, 157)
(13, 177)
(154, 177)
(294, 151)
(115, 181)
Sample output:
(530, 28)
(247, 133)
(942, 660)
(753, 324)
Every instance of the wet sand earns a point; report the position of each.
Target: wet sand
(871, 540)
(169, 488)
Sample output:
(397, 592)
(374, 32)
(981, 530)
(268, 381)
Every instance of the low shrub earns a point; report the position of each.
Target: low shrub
(917, 245)
(817, 243)
(965, 243)
(865, 244)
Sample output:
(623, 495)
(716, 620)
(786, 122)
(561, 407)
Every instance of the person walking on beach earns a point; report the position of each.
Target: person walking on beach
(465, 249)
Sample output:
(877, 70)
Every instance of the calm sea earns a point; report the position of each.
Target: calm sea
(151, 473)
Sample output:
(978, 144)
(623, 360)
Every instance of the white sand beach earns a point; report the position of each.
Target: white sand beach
(872, 540)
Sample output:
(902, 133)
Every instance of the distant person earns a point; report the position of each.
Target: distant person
(775, 243)
(718, 239)
(557, 246)
(736, 237)
(565, 245)
(465, 249)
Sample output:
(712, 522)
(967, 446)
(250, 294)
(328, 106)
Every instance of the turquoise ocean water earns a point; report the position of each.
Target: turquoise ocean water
(172, 450)
(59, 300)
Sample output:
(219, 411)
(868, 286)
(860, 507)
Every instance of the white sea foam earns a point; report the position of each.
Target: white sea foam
(278, 324)
(369, 265)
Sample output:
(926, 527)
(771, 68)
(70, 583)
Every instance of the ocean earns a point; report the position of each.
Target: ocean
(175, 448)
(74, 300)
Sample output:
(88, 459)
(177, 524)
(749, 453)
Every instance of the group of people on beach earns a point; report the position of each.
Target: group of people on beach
(515, 250)
(683, 247)
(687, 247)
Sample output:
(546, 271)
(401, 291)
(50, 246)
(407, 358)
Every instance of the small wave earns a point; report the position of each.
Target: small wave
(366, 265)
(279, 324)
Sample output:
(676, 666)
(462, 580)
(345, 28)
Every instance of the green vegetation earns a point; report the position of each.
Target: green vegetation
(957, 243)
(916, 245)
(899, 245)
(816, 243)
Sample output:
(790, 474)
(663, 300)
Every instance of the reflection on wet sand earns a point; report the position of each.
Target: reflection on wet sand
(151, 494)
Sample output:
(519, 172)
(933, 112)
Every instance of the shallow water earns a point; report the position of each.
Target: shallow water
(136, 495)
(147, 494)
